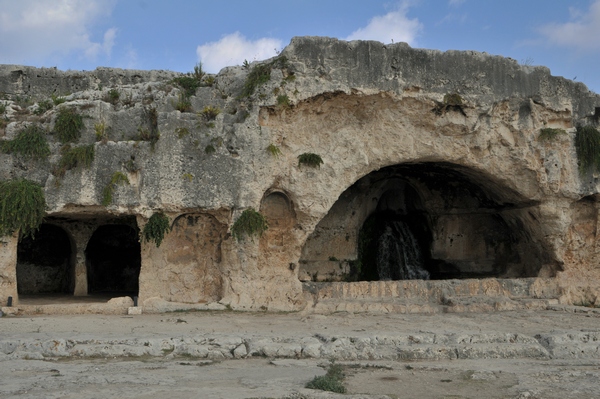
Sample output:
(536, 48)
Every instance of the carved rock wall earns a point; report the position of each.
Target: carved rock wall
(508, 203)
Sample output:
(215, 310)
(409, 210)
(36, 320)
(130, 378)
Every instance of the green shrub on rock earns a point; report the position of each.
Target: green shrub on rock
(68, 126)
(29, 142)
(250, 223)
(310, 159)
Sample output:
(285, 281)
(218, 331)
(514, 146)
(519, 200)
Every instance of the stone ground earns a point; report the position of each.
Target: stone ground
(516, 354)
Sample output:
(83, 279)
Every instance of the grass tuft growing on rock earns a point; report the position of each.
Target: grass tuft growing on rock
(548, 134)
(310, 159)
(73, 157)
(43, 106)
(587, 145)
(274, 150)
(101, 132)
(29, 142)
(283, 101)
(181, 132)
(156, 228)
(250, 223)
(57, 100)
(332, 381)
(209, 113)
(22, 207)
(112, 96)
(183, 103)
(68, 125)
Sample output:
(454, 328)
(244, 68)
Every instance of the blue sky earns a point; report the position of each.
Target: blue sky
(176, 34)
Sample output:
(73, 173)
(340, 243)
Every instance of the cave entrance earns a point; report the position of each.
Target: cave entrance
(45, 262)
(113, 260)
(427, 221)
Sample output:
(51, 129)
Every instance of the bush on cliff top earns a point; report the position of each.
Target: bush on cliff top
(261, 74)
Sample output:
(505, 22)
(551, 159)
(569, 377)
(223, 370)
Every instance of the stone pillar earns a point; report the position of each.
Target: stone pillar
(80, 241)
(8, 269)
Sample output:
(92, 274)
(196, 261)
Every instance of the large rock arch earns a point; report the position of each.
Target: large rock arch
(466, 226)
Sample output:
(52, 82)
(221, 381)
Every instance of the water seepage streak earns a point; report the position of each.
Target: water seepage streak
(398, 254)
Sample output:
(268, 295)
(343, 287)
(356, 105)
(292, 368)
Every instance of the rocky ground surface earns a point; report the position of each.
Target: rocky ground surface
(518, 354)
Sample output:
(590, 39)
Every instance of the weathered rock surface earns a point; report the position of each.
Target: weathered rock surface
(495, 200)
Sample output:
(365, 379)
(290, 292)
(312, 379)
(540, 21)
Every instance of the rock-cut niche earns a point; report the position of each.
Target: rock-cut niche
(44, 262)
(193, 249)
(426, 221)
(113, 260)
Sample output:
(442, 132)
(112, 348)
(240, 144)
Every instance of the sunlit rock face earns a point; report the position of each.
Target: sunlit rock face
(432, 168)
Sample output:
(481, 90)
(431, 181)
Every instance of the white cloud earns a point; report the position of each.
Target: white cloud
(38, 29)
(233, 49)
(131, 58)
(394, 26)
(105, 47)
(581, 33)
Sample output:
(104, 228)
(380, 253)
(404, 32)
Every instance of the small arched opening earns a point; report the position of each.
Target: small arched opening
(113, 260)
(45, 262)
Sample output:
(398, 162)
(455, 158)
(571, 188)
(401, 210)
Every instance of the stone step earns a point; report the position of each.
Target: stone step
(421, 345)
(416, 305)
(436, 290)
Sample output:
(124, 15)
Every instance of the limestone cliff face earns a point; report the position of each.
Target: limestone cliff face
(448, 141)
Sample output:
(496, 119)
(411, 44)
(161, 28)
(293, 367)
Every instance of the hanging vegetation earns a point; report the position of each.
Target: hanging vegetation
(118, 178)
(22, 207)
(250, 223)
(587, 145)
(156, 228)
